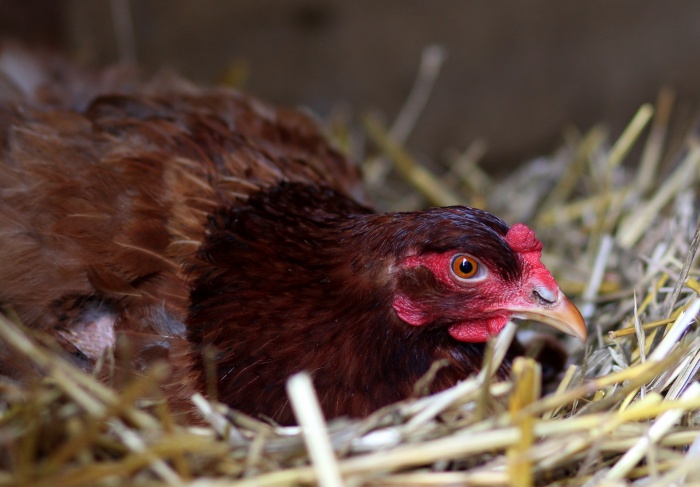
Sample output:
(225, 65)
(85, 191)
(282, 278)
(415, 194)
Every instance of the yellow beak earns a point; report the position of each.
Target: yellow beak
(562, 315)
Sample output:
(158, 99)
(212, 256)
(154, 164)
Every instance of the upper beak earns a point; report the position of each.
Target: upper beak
(562, 315)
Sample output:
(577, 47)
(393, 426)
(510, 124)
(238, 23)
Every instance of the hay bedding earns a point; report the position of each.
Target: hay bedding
(620, 238)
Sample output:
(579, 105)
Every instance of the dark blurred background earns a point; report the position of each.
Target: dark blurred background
(516, 73)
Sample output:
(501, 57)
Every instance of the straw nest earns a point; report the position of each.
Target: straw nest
(621, 239)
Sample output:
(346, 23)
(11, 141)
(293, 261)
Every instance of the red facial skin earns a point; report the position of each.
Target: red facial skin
(497, 296)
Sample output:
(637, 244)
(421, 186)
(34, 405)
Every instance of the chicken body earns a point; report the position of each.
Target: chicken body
(220, 233)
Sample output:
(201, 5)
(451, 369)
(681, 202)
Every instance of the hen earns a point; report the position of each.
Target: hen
(229, 236)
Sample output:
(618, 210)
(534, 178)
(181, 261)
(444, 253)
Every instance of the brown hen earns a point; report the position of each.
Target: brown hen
(208, 226)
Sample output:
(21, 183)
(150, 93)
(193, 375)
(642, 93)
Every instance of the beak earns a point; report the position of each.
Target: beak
(562, 315)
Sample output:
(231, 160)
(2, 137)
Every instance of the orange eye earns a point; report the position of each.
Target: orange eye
(464, 267)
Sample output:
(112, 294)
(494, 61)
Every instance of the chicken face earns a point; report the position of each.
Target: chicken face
(475, 296)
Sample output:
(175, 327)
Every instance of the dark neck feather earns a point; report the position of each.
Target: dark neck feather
(297, 279)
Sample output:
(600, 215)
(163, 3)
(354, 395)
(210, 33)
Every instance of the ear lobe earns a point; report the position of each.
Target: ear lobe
(409, 312)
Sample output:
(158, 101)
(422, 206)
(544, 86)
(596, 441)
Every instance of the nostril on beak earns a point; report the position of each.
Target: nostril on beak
(544, 295)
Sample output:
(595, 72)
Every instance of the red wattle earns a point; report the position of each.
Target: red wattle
(476, 332)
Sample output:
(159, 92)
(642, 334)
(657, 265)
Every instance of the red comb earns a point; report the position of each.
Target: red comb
(522, 239)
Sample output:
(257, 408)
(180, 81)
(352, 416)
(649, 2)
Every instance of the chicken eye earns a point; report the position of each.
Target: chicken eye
(464, 267)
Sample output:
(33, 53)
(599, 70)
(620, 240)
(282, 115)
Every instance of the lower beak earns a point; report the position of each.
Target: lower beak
(562, 315)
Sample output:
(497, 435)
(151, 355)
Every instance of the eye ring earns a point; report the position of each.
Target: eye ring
(464, 266)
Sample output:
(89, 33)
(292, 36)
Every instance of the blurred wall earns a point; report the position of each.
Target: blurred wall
(516, 75)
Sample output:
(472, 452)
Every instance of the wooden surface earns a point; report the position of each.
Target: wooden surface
(516, 75)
